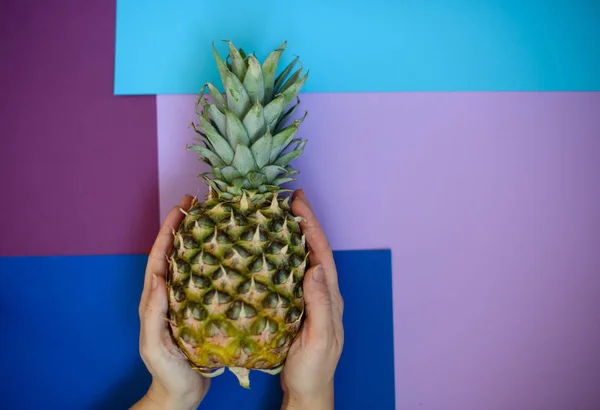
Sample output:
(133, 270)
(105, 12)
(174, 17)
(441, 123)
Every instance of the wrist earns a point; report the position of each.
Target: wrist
(160, 398)
(319, 401)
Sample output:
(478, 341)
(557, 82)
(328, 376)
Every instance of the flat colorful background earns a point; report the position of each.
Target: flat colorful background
(367, 45)
(464, 137)
(78, 337)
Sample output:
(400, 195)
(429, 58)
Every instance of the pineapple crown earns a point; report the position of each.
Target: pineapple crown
(248, 140)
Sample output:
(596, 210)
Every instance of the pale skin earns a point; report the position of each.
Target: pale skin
(307, 377)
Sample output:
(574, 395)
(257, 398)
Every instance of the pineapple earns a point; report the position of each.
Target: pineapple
(239, 258)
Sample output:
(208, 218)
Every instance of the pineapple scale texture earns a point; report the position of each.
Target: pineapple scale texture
(235, 283)
(239, 257)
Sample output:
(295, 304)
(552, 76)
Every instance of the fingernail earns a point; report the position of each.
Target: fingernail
(319, 274)
(299, 192)
(154, 281)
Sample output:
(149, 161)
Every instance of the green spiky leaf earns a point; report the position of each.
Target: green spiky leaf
(222, 67)
(290, 171)
(281, 181)
(269, 69)
(254, 122)
(220, 184)
(217, 97)
(254, 81)
(273, 110)
(230, 173)
(220, 145)
(200, 101)
(261, 149)
(218, 117)
(288, 157)
(272, 172)
(270, 187)
(257, 179)
(238, 184)
(202, 136)
(283, 139)
(281, 123)
(291, 92)
(217, 173)
(236, 132)
(243, 160)
(245, 127)
(207, 156)
(237, 62)
(283, 75)
(293, 78)
(237, 97)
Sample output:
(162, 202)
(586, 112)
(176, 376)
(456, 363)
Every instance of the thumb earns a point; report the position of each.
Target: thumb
(153, 322)
(318, 301)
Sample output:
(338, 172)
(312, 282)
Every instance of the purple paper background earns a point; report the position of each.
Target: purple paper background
(489, 202)
(78, 166)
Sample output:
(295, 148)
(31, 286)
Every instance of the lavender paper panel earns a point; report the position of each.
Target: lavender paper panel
(489, 202)
(78, 166)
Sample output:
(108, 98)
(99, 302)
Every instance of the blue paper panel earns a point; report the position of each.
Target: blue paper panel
(71, 326)
(164, 47)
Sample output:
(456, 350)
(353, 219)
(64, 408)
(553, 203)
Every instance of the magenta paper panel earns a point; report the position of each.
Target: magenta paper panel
(78, 166)
(489, 202)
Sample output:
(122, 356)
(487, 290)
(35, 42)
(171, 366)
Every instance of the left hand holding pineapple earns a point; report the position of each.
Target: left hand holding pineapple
(175, 385)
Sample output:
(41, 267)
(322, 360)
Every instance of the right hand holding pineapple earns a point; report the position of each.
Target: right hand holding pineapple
(307, 377)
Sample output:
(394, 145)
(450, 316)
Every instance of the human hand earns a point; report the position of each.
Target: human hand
(307, 377)
(175, 386)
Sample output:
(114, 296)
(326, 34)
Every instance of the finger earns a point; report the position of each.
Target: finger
(319, 314)
(320, 250)
(164, 240)
(157, 261)
(154, 310)
(299, 193)
(318, 243)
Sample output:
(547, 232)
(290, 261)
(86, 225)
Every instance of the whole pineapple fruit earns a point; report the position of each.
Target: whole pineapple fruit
(239, 258)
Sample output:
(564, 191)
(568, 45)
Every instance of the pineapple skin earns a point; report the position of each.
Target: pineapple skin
(235, 284)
